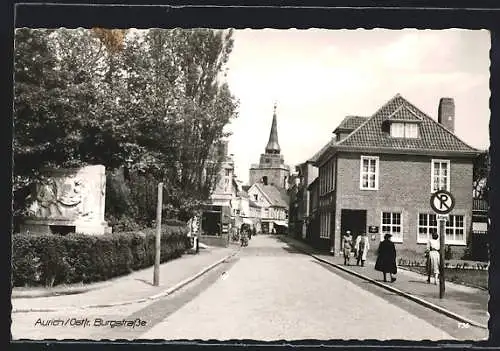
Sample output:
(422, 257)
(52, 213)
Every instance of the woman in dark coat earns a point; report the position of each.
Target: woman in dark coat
(386, 259)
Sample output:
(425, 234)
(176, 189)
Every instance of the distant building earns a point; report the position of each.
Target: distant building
(379, 172)
(273, 203)
(271, 169)
(226, 188)
(269, 181)
(300, 211)
(219, 213)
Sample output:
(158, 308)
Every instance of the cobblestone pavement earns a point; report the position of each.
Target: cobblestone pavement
(274, 292)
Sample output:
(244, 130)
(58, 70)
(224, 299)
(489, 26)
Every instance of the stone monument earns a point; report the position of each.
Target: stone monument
(68, 200)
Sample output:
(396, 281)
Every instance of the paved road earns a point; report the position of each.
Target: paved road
(274, 293)
(268, 292)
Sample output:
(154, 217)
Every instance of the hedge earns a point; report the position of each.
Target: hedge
(48, 259)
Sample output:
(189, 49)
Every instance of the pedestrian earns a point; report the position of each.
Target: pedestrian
(361, 248)
(347, 247)
(244, 235)
(433, 258)
(386, 259)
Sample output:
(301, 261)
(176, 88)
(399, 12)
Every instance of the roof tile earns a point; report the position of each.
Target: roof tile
(278, 197)
(433, 136)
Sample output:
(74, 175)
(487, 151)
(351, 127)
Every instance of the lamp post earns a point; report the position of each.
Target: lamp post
(156, 273)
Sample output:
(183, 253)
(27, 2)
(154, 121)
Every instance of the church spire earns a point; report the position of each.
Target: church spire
(273, 147)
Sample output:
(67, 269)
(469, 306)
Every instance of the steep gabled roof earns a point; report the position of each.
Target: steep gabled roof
(404, 113)
(370, 136)
(350, 123)
(278, 197)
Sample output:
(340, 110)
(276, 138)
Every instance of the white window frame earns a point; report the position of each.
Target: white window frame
(447, 227)
(448, 167)
(404, 128)
(361, 172)
(395, 239)
(428, 227)
(407, 131)
(454, 229)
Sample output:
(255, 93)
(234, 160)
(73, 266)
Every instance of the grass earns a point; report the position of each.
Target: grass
(472, 277)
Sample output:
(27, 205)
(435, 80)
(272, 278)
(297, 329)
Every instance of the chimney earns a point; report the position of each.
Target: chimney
(446, 113)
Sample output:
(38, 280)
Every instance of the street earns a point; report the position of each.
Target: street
(269, 291)
(272, 294)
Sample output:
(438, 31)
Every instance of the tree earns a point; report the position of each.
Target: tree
(180, 108)
(481, 171)
(152, 102)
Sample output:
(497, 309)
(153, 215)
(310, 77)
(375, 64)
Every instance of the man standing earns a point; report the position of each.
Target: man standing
(361, 247)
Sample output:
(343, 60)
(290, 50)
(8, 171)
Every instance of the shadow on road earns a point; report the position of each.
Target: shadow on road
(148, 282)
(292, 250)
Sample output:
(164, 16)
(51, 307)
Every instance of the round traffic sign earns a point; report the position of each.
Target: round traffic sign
(442, 202)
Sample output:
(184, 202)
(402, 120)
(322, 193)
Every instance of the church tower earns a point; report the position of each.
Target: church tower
(271, 169)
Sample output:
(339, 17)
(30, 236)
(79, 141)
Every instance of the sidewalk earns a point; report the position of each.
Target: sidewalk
(464, 301)
(134, 287)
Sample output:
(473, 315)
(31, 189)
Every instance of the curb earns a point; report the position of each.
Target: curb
(122, 303)
(62, 292)
(399, 292)
(464, 284)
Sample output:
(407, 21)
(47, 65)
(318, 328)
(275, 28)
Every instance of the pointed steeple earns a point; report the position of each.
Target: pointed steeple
(273, 147)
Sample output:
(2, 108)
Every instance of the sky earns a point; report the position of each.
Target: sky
(319, 76)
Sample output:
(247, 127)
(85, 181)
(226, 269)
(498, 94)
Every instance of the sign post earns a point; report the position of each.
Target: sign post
(442, 202)
(156, 273)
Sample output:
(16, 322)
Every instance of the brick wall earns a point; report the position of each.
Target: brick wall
(404, 186)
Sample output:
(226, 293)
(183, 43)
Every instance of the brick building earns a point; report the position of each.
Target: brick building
(378, 173)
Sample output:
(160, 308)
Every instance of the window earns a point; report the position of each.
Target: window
(455, 230)
(226, 185)
(256, 197)
(324, 233)
(228, 172)
(404, 130)
(440, 175)
(427, 225)
(368, 177)
(391, 224)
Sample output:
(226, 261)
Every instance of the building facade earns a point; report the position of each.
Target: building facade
(379, 172)
(300, 211)
(273, 204)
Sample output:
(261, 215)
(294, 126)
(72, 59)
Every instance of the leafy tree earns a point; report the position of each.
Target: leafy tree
(151, 102)
(481, 175)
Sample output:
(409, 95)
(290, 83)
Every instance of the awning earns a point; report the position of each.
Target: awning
(281, 223)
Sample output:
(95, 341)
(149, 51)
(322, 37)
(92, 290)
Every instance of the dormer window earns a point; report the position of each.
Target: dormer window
(404, 130)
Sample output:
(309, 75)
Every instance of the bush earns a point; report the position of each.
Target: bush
(54, 259)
